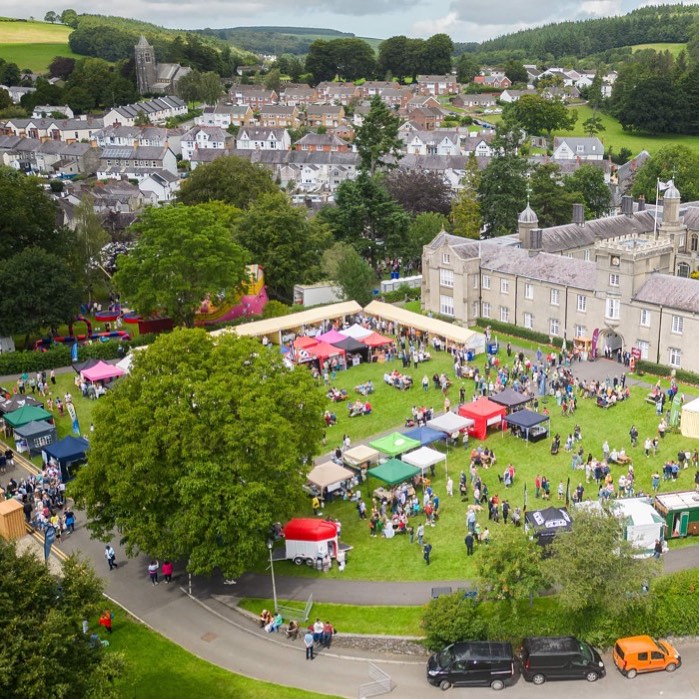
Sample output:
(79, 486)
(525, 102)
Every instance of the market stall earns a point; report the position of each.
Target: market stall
(526, 424)
(394, 444)
(450, 423)
(331, 337)
(360, 457)
(323, 352)
(356, 331)
(311, 541)
(27, 414)
(680, 511)
(376, 340)
(102, 372)
(425, 435)
(79, 367)
(544, 525)
(68, 452)
(689, 423)
(424, 458)
(511, 400)
(34, 436)
(394, 471)
(9, 405)
(484, 413)
(353, 348)
(329, 477)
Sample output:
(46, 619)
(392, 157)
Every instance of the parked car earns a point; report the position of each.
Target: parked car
(559, 658)
(636, 654)
(473, 664)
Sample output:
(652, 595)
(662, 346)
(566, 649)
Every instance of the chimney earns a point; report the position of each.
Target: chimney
(627, 205)
(642, 203)
(534, 241)
(579, 214)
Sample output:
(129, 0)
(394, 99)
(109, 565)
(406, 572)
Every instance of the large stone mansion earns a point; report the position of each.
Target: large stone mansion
(626, 276)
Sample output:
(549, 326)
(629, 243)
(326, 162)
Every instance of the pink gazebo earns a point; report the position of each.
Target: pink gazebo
(331, 337)
(102, 372)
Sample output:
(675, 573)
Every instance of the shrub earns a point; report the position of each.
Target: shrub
(514, 330)
(645, 367)
(452, 618)
(402, 293)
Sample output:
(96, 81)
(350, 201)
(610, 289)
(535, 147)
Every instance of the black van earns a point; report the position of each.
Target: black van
(559, 658)
(473, 664)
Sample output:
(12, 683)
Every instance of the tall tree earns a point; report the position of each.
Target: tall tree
(538, 115)
(436, 55)
(465, 207)
(553, 204)
(588, 181)
(516, 72)
(236, 417)
(182, 254)
(343, 264)
(677, 163)
(424, 228)
(377, 140)
(502, 193)
(418, 191)
(282, 239)
(90, 239)
(467, 67)
(49, 655)
(617, 576)
(232, 180)
(593, 125)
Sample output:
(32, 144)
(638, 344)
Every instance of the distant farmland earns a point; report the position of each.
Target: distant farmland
(33, 44)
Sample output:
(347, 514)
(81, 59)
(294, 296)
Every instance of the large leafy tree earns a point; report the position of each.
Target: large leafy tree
(344, 265)
(204, 446)
(465, 207)
(538, 115)
(348, 58)
(182, 254)
(595, 567)
(588, 181)
(232, 180)
(48, 295)
(436, 54)
(282, 239)
(553, 204)
(419, 191)
(45, 652)
(677, 163)
(377, 140)
(91, 237)
(424, 228)
(502, 193)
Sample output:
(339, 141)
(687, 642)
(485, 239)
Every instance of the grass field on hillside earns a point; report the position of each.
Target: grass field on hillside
(616, 137)
(33, 33)
(34, 56)
(33, 44)
(674, 49)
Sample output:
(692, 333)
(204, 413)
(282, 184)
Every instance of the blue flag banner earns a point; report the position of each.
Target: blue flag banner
(74, 352)
(73, 417)
(49, 538)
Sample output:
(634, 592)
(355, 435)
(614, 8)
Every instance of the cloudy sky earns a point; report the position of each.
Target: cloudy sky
(463, 20)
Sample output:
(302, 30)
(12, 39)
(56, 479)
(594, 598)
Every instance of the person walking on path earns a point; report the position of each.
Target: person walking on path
(110, 555)
(469, 544)
(167, 571)
(308, 642)
(153, 572)
(426, 551)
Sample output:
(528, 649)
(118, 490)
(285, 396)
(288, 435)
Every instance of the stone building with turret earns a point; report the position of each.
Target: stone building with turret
(624, 279)
(153, 77)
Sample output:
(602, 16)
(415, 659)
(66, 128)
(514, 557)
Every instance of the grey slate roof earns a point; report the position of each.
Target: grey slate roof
(665, 290)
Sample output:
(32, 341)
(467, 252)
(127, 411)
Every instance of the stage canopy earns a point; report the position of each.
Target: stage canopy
(511, 399)
(394, 471)
(102, 372)
(450, 423)
(375, 340)
(27, 414)
(484, 413)
(359, 455)
(423, 458)
(328, 474)
(394, 444)
(356, 331)
(425, 435)
(468, 338)
(689, 424)
(9, 405)
(331, 337)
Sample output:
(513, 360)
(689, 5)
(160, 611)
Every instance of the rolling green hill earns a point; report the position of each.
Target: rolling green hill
(674, 49)
(33, 44)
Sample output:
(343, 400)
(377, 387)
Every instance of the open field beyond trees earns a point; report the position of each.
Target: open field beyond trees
(33, 44)
(674, 49)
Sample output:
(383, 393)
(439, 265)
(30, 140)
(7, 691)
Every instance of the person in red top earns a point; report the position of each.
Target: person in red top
(106, 621)
(167, 571)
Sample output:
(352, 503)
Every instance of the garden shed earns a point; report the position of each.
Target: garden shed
(484, 414)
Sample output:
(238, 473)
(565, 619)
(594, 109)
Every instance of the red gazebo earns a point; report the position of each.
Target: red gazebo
(484, 413)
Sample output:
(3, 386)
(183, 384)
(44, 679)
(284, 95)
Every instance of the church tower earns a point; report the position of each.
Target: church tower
(146, 73)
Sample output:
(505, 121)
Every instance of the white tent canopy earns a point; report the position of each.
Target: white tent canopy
(328, 474)
(689, 424)
(357, 331)
(423, 458)
(450, 423)
(360, 454)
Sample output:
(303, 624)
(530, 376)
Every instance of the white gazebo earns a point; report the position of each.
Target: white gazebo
(424, 457)
(328, 474)
(450, 423)
(689, 423)
(356, 331)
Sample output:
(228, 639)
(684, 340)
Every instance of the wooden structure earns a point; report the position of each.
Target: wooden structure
(680, 512)
(12, 520)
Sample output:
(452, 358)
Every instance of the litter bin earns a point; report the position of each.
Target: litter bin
(492, 348)
(470, 355)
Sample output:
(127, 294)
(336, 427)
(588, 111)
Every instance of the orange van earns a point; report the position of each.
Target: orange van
(644, 654)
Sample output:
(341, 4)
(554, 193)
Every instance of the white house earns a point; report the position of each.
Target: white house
(162, 185)
(432, 143)
(157, 111)
(201, 138)
(263, 139)
(46, 110)
(572, 148)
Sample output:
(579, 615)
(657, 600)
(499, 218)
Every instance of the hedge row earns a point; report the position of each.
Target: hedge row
(514, 330)
(59, 356)
(402, 293)
(671, 608)
(645, 367)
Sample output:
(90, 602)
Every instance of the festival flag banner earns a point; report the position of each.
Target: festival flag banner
(74, 418)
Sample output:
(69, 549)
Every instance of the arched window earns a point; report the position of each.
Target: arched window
(683, 269)
(694, 243)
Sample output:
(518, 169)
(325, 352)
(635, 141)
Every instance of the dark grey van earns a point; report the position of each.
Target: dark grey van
(473, 664)
(559, 658)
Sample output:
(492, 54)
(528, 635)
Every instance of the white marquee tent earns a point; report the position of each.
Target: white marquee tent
(356, 331)
(450, 423)
(689, 423)
(423, 458)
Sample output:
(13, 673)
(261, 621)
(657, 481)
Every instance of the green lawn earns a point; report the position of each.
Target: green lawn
(33, 33)
(616, 137)
(159, 668)
(388, 621)
(397, 559)
(37, 57)
(674, 49)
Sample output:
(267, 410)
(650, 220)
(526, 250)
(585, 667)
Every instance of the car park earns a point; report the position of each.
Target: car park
(636, 654)
(473, 664)
(559, 658)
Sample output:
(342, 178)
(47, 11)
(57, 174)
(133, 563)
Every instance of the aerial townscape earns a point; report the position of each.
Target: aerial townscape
(341, 366)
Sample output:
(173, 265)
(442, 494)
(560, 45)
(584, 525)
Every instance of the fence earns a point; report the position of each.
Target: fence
(289, 611)
(380, 683)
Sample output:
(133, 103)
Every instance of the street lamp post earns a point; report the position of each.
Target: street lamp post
(271, 567)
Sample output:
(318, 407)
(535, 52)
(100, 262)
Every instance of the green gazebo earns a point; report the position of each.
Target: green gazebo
(395, 444)
(27, 414)
(394, 471)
